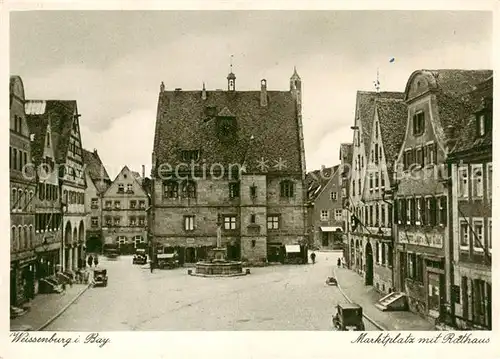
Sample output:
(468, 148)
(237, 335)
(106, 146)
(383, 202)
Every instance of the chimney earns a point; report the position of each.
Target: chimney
(143, 171)
(263, 93)
(95, 151)
(162, 87)
(203, 93)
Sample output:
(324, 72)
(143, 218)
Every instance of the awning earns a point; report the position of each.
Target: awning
(165, 255)
(330, 229)
(293, 248)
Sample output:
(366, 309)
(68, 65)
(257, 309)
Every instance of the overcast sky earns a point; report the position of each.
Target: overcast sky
(112, 63)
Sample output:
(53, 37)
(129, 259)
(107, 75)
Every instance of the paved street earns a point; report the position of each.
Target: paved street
(271, 298)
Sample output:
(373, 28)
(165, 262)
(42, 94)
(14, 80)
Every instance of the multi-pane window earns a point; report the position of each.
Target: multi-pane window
(108, 204)
(142, 221)
(120, 188)
(129, 188)
(477, 180)
(94, 203)
(324, 215)
(338, 214)
(229, 222)
(420, 156)
(333, 196)
(133, 204)
(95, 221)
(418, 123)
(464, 235)
(118, 205)
(189, 223)
(478, 235)
(109, 221)
(132, 221)
(490, 236)
(234, 190)
(171, 189)
(117, 221)
(287, 188)
(489, 179)
(142, 204)
(273, 222)
(463, 182)
(121, 239)
(442, 211)
(189, 189)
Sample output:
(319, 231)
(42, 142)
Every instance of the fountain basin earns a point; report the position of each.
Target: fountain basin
(219, 268)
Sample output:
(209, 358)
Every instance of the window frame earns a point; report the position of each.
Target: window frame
(273, 222)
(474, 185)
(287, 189)
(463, 182)
(94, 222)
(418, 123)
(189, 223)
(324, 215)
(230, 223)
(489, 180)
(480, 236)
(463, 223)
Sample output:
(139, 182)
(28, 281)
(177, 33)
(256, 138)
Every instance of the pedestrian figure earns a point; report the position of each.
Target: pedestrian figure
(339, 262)
(313, 257)
(96, 261)
(151, 266)
(89, 261)
(343, 262)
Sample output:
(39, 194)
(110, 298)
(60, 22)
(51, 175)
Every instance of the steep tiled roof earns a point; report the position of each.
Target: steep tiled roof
(316, 180)
(458, 82)
(61, 117)
(392, 116)
(365, 107)
(182, 124)
(96, 170)
(466, 138)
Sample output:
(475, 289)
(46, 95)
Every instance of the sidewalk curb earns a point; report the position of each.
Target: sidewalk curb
(381, 327)
(58, 314)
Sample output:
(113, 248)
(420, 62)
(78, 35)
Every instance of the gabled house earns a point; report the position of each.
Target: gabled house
(66, 140)
(230, 162)
(98, 182)
(124, 213)
(325, 205)
(471, 197)
(362, 132)
(22, 208)
(388, 127)
(436, 100)
(47, 200)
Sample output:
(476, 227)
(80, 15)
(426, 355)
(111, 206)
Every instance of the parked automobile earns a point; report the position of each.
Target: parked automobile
(348, 317)
(139, 259)
(167, 260)
(100, 278)
(331, 281)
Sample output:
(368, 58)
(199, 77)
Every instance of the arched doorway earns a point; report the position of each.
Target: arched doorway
(369, 264)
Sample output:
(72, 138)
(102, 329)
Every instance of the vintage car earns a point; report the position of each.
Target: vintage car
(112, 253)
(167, 261)
(348, 317)
(139, 259)
(331, 281)
(100, 278)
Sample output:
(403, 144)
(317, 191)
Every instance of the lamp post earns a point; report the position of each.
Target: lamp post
(219, 230)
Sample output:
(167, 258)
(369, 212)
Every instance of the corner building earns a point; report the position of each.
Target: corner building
(436, 104)
(232, 160)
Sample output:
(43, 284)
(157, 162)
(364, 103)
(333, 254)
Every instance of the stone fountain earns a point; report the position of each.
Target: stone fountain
(218, 265)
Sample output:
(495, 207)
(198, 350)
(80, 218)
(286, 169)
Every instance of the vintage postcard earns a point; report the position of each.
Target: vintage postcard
(240, 181)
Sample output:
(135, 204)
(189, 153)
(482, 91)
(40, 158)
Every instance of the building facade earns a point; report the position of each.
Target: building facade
(98, 181)
(345, 157)
(471, 208)
(124, 213)
(47, 200)
(67, 146)
(326, 218)
(389, 123)
(231, 161)
(22, 192)
(360, 251)
(435, 101)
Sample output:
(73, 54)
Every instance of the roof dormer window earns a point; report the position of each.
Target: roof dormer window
(483, 123)
(190, 155)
